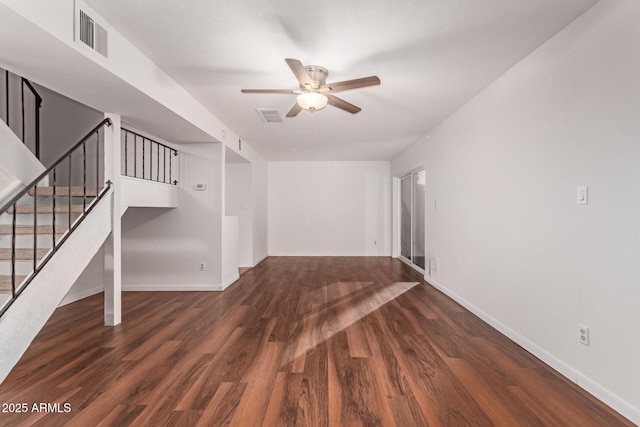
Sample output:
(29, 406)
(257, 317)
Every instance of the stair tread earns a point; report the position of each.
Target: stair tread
(22, 254)
(5, 283)
(64, 191)
(27, 230)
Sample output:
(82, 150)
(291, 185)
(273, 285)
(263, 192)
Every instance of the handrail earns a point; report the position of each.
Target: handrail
(54, 209)
(33, 90)
(152, 143)
(37, 113)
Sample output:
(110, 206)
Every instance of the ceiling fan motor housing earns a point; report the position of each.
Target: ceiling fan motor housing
(318, 75)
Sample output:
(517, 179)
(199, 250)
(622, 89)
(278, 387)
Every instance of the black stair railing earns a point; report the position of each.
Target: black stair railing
(146, 158)
(11, 98)
(69, 188)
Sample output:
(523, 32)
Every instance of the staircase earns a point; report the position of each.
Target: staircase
(44, 227)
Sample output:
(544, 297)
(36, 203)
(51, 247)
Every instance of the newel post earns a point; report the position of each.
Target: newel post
(112, 246)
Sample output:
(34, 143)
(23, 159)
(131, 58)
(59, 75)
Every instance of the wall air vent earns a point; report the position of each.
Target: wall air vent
(270, 115)
(90, 30)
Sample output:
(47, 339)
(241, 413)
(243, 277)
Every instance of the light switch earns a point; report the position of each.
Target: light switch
(583, 193)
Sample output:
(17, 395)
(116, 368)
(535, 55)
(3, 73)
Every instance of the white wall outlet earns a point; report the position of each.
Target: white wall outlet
(582, 195)
(583, 334)
(202, 266)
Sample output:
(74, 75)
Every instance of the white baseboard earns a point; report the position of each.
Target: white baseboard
(260, 260)
(229, 282)
(146, 287)
(69, 298)
(614, 401)
(606, 396)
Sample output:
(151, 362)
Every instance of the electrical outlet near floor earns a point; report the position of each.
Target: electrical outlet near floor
(583, 334)
(202, 266)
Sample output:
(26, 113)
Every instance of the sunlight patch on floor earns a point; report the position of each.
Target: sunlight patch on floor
(319, 325)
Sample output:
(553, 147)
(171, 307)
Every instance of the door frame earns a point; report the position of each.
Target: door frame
(398, 222)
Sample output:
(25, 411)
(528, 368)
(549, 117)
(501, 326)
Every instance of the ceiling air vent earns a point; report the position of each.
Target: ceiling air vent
(90, 30)
(270, 115)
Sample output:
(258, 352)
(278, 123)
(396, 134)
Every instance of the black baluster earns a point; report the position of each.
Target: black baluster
(22, 100)
(143, 144)
(84, 177)
(53, 219)
(13, 250)
(126, 140)
(6, 80)
(38, 106)
(69, 196)
(35, 227)
(150, 160)
(97, 162)
(135, 156)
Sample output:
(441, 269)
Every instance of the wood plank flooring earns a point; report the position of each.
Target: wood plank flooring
(295, 342)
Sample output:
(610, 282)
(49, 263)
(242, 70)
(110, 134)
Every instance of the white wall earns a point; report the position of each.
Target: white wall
(16, 161)
(329, 208)
(239, 202)
(90, 282)
(63, 122)
(511, 242)
(162, 248)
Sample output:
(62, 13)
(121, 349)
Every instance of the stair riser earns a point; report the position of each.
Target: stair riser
(62, 203)
(62, 191)
(23, 268)
(25, 241)
(43, 219)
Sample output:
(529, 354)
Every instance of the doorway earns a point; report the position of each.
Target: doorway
(412, 219)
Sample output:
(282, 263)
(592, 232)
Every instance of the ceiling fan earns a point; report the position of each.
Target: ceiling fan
(315, 93)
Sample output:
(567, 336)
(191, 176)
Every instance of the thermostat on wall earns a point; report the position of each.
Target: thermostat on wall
(200, 187)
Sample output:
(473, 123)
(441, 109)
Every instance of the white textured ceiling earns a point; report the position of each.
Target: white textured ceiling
(432, 56)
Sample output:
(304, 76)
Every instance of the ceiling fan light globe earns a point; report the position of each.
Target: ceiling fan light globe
(312, 101)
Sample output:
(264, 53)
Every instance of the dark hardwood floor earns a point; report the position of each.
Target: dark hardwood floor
(295, 342)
